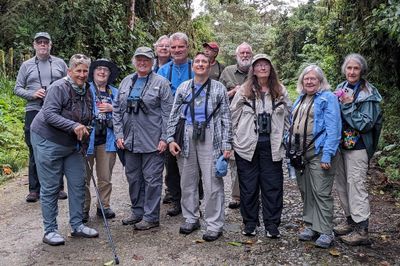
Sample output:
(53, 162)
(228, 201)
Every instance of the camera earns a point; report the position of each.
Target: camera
(100, 127)
(264, 123)
(199, 131)
(132, 105)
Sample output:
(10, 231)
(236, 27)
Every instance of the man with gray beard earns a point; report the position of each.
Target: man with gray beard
(233, 77)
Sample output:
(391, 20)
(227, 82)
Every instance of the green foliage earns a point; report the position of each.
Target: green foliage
(13, 150)
(390, 161)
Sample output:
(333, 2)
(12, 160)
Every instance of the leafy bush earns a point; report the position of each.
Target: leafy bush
(13, 150)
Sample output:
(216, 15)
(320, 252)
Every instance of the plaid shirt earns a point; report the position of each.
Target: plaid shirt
(220, 123)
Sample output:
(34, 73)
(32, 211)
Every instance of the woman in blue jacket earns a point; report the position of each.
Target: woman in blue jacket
(102, 147)
(313, 142)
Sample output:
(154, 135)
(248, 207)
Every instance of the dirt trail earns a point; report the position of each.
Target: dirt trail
(21, 232)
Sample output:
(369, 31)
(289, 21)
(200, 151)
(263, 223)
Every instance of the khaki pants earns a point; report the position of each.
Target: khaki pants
(315, 186)
(104, 166)
(350, 180)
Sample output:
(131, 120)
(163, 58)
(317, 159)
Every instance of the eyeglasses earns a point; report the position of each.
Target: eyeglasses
(261, 65)
(163, 46)
(310, 79)
(42, 42)
(103, 68)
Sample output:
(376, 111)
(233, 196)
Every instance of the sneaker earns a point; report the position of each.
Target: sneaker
(307, 234)
(343, 229)
(108, 213)
(187, 228)
(324, 241)
(53, 238)
(85, 217)
(85, 231)
(249, 231)
(32, 197)
(62, 195)
(357, 237)
(211, 235)
(132, 219)
(234, 204)
(175, 209)
(272, 231)
(145, 225)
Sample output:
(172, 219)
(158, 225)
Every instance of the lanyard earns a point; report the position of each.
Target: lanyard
(134, 79)
(189, 70)
(38, 70)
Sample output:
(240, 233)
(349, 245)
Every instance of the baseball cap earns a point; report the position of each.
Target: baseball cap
(221, 167)
(212, 45)
(259, 57)
(42, 35)
(145, 51)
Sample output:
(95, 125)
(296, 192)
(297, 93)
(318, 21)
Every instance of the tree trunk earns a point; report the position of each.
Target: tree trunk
(132, 15)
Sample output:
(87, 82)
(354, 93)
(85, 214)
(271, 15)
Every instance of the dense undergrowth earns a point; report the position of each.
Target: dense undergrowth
(13, 151)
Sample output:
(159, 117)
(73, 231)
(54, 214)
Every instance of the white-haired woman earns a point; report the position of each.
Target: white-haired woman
(163, 54)
(360, 109)
(314, 139)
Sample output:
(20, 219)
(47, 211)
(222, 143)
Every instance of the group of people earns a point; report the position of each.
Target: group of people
(194, 118)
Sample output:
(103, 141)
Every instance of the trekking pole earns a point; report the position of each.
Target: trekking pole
(108, 231)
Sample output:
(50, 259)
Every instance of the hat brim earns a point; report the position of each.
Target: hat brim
(144, 54)
(114, 70)
(212, 48)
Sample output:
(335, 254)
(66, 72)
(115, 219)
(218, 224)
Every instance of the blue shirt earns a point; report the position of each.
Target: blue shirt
(178, 73)
(199, 106)
(138, 87)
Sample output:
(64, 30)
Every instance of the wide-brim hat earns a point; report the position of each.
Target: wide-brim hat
(259, 57)
(114, 70)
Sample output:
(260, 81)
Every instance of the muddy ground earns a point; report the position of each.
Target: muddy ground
(21, 233)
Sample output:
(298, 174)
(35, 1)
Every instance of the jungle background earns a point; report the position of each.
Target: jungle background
(321, 32)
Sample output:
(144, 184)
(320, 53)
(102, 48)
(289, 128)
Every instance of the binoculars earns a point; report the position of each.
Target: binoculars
(133, 104)
(199, 131)
(264, 123)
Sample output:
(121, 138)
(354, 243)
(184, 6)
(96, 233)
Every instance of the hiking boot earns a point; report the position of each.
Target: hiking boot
(249, 230)
(307, 234)
(272, 231)
(32, 197)
(175, 209)
(187, 228)
(62, 195)
(234, 204)
(211, 235)
(324, 241)
(357, 237)
(167, 198)
(84, 231)
(53, 238)
(345, 227)
(85, 217)
(108, 213)
(145, 225)
(132, 219)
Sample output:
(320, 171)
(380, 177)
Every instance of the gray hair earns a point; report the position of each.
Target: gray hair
(359, 60)
(324, 85)
(160, 39)
(179, 36)
(78, 59)
(243, 44)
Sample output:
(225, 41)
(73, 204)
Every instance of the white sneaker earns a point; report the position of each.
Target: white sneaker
(85, 231)
(53, 238)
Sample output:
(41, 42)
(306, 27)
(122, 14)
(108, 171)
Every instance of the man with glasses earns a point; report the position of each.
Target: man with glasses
(34, 77)
(233, 77)
(176, 71)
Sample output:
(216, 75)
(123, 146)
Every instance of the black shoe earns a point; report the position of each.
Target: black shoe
(132, 219)
(85, 217)
(249, 231)
(175, 209)
(234, 204)
(187, 228)
(272, 231)
(167, 198)
(211, 235)
(107, 212)
(62, 195)
(32, 197)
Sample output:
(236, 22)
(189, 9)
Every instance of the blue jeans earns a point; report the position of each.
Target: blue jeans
(52, 160)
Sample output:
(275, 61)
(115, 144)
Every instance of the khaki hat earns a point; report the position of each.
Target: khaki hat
(259, 57)
(42, 35)
(145, 51)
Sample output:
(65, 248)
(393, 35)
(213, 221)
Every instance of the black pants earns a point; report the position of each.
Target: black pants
(34, 185)
(172, 177)
(265, 175)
